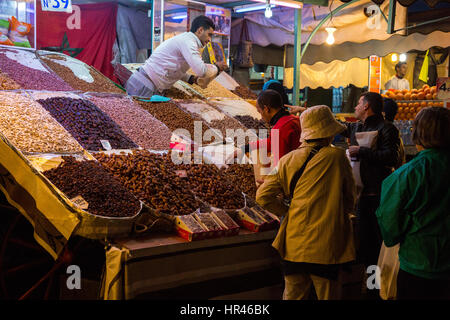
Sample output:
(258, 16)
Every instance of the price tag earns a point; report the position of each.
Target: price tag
(80, 202)
(57, 5)
(443, 88)
(181, 173)
(106, 145)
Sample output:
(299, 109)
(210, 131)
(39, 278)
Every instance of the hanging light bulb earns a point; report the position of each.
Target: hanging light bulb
(330, 38)
(268, 12)
(394, 57)
(402, 57)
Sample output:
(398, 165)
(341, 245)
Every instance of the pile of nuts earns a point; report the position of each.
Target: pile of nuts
(136, 123)
(153, 179)
(243, 177)
(104, 194)
(6, 83)
(244, 92)
(32, 129)
(87, 123)
(100, 84)
(30, 78)
(215, 90)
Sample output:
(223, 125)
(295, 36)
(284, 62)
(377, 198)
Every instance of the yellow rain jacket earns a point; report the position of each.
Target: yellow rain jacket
(317, 226)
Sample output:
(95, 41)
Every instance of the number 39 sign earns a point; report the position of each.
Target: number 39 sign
(57, 5)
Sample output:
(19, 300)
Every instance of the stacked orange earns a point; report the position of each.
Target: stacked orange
(408, 110)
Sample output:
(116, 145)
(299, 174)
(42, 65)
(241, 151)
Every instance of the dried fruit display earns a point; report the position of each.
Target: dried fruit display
(6, 83)
(252, 123)
(152, 178)
(78, 74)
(25, 68)
(104, 195)
(242, 176)
(244, 92)
(32, 129)
(174, 117)
(209, 184)
(87, 123)
(136, 123)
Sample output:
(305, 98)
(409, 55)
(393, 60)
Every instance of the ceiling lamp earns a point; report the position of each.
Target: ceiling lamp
(330, 38)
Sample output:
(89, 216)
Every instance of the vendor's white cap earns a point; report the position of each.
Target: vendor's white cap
(318, 122)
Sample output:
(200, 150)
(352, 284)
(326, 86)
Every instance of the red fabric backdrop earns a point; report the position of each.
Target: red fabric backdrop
(96, 35)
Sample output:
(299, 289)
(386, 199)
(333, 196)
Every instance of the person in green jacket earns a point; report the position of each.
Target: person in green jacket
(415, 210)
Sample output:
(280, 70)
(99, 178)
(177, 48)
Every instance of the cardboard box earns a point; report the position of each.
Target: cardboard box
(250, 220)
(188, 228)
(231, 228)
(214, 229)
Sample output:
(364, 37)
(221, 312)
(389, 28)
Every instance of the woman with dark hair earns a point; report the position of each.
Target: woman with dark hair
(278, 87)
(414, 210)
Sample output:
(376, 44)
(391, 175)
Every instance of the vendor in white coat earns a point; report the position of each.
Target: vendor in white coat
(173, 58)
(398, 81)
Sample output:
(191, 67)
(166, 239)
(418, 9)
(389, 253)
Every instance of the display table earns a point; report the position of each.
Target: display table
(159, 265)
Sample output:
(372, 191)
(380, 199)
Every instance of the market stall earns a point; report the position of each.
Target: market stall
(71, 145)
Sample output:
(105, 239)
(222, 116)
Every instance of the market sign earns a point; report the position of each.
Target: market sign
(57, 5)
(375, 74)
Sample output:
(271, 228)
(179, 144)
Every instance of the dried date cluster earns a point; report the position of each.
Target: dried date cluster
(153, 180)
(100, 84)
(243, 177)
(244, 92)
(209, 184)
(147, 132)
(104, 194)
(87, 123)
(32, 129)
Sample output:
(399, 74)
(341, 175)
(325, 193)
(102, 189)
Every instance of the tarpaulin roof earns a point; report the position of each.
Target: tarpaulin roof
(351, 23)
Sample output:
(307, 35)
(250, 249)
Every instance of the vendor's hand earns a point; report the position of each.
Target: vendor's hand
(296, 109)
(222, 65)
(353, 151)
(259, 183)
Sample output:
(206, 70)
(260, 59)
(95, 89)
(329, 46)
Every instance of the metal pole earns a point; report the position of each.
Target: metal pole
(391, 17)
(297, 56)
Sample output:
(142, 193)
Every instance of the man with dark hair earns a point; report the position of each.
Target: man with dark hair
(376, 163)
(173, 58)
(283, 125)
(398, 81)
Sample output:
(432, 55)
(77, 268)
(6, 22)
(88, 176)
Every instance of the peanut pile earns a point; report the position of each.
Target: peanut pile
(32, 129)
